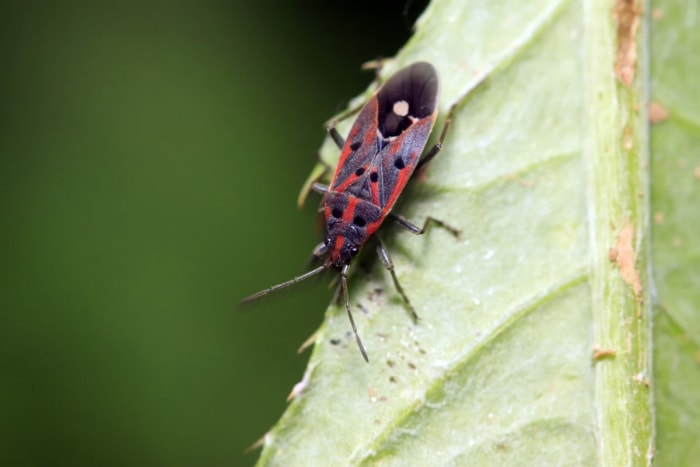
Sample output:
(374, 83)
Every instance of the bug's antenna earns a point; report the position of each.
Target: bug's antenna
(296, 280)
(344, 286)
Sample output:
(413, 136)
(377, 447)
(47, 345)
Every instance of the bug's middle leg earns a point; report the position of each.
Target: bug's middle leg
(414, 229)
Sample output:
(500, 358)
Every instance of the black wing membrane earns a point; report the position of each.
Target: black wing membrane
(417, 86)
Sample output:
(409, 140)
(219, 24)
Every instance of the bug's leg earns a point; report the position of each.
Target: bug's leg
(317, 174)
(337, 138)
(344, 286)
(319, 188)
(448, 121)
(317, 255)
(389, 265)
(414, 229)
(338, 295)
(438, 146)
(375, 65)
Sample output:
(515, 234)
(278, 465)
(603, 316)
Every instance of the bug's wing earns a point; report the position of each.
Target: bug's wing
(407, 108)
(388, 137)
(395, 163)
(361, 147)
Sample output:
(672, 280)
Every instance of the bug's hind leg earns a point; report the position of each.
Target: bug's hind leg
(438, 146)
(414, 229)
(330, 125)
(389, 265)
(339, 141)
(448, 121)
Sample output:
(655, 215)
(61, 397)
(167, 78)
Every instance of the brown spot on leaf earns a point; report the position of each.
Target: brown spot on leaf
(626, 14)
(626, 259)
(696, 172)
(659, 217)
(642, 379)
(657, 112)
(627, 140)
(599, 354)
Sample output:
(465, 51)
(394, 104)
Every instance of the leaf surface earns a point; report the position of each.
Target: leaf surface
(544, 171)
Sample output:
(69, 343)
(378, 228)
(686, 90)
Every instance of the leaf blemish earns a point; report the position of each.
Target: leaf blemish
(626, 14)
(624, 256)
(642, 379)
(657, 112)
(627, 138)
(599, 354)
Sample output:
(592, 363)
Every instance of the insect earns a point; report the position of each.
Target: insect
(379, 156)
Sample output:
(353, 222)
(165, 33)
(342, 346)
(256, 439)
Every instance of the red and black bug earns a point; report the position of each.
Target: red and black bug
(380, 154)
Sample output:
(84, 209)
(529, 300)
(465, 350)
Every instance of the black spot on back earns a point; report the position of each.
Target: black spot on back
(360, 171)
(359, 221)
(356, 145)
(398, 163)
(374, 176)
(337, 213)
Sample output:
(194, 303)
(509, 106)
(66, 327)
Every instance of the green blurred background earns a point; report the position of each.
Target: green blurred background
(151, 158)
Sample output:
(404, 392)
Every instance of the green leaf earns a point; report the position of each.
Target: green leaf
(534, 344)
(675, 183)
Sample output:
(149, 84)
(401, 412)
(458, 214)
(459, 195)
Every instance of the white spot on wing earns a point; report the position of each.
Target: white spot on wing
(400, 108)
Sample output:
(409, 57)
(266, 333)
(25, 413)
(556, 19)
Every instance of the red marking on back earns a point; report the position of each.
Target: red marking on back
(350, 209)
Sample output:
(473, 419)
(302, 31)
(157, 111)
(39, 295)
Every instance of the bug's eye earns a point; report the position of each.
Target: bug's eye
(327, 241)
(354, 250)
(337, 213)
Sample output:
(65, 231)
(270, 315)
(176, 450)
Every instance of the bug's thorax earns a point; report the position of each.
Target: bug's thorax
(350, 221)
